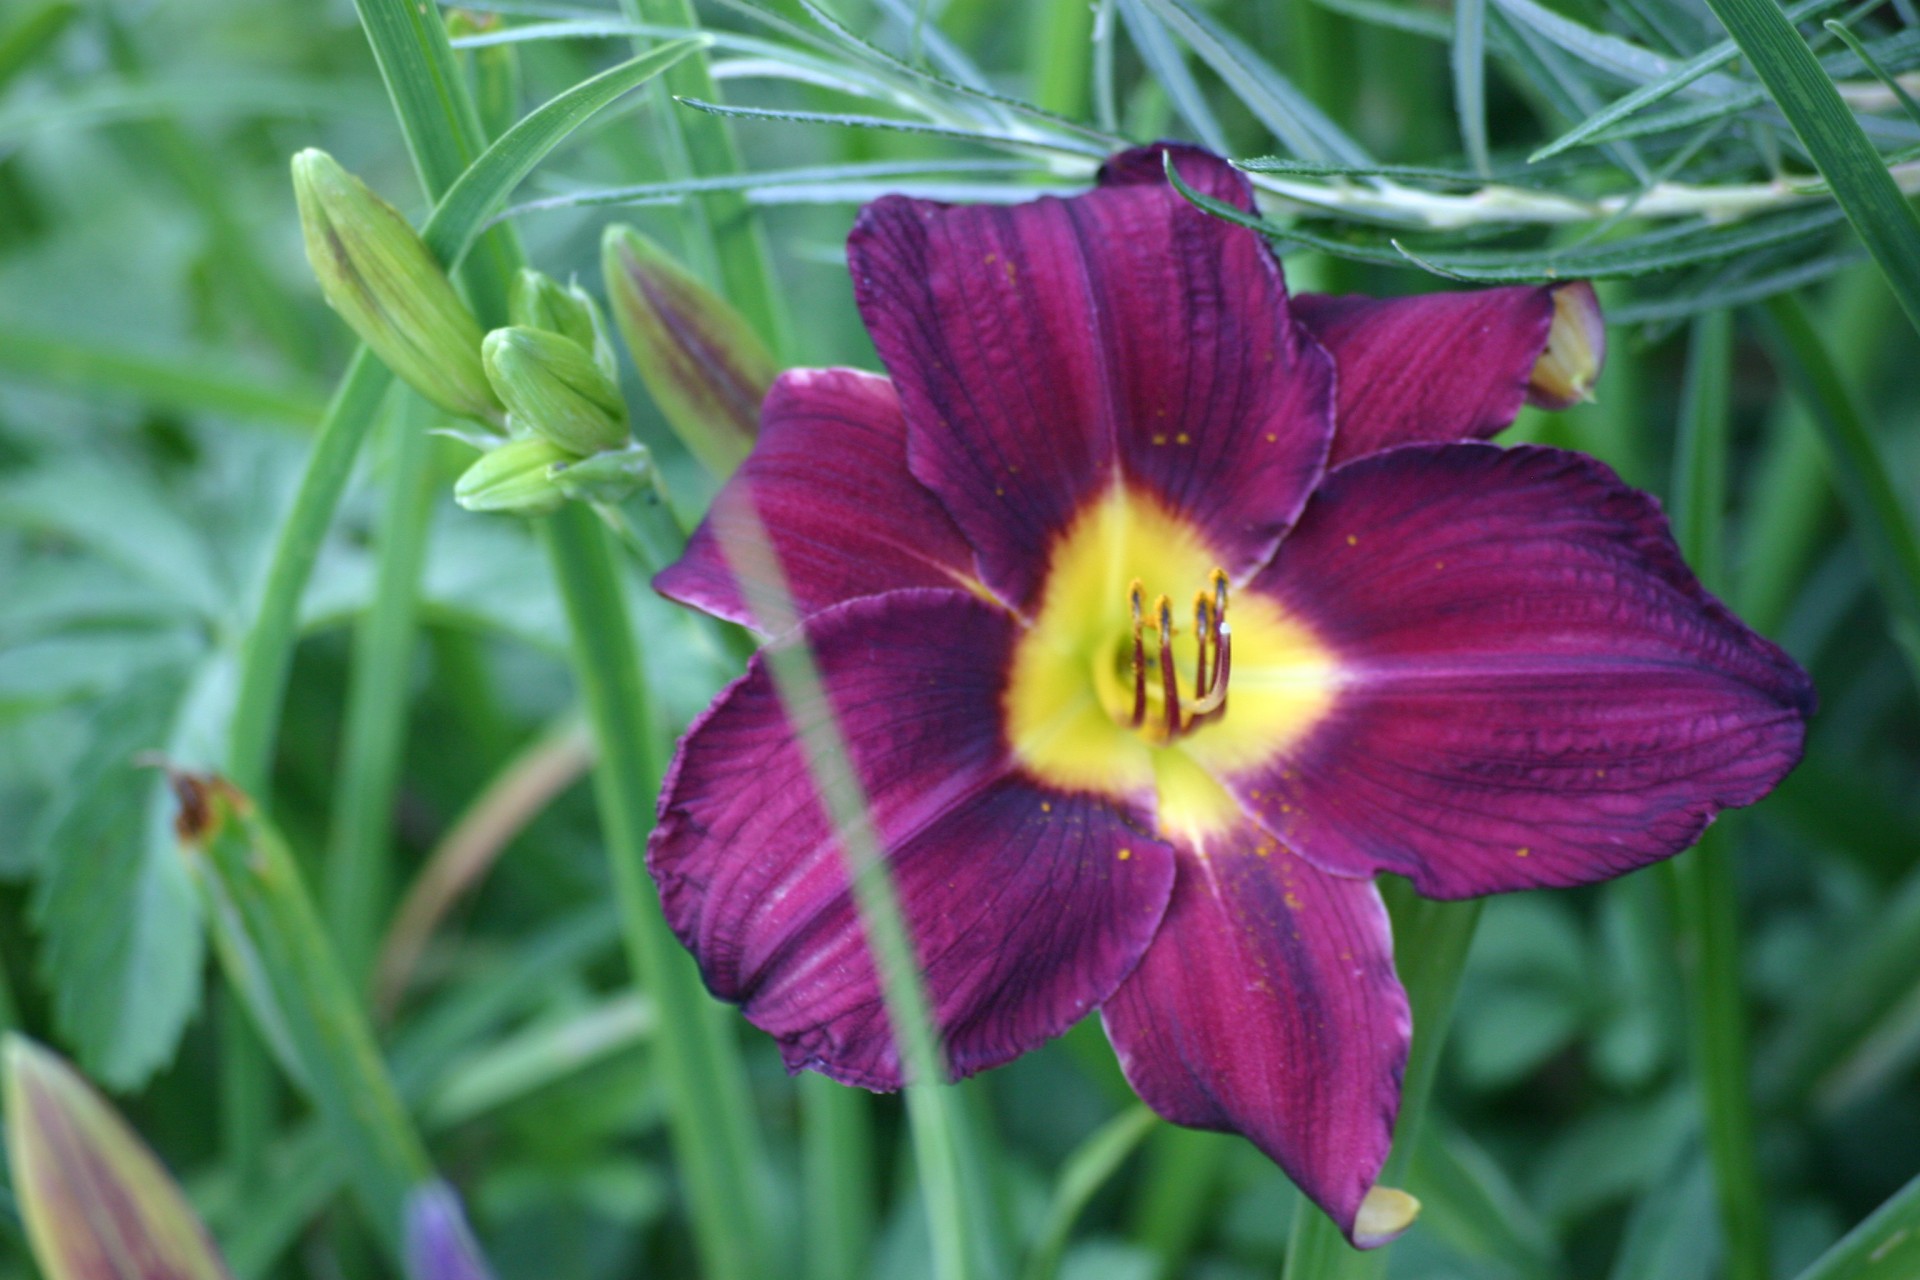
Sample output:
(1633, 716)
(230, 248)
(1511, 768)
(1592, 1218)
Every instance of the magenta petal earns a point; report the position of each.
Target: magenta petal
(829, 480)
(1430, 368)
(1268, 1006)
(1535, 689)
(1045, 350)
(1027, 907)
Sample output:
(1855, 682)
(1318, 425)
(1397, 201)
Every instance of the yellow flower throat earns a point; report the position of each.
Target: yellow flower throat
(1115, 691)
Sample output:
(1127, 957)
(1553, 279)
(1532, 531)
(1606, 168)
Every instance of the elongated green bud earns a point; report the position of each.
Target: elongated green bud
(551, 386)
(517, 478)
(703, 364)
(538, 301)
(383, 280)
(98, 1205)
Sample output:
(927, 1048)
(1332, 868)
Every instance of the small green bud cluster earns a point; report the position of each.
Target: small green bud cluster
(547, 384)
(554, 370)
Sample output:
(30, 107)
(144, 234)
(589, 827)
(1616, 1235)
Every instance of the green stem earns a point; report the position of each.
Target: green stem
(711, 1115)
(357, 877)
(1431, 944)
(1876, 513)
(1178, 1193)
(267, 652)
(836, 1132)
(1709, 897)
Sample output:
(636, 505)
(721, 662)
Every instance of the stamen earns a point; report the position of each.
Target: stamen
(1202, 628)
(1169, 682)
(1215, 700)
(1139, 657)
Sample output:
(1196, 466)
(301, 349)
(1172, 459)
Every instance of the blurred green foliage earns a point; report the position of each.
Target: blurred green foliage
(164, 358)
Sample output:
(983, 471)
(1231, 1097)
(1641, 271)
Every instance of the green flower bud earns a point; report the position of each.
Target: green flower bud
(517, 477)
(613, 476)
(383, 280)
(703, 364)
(551, 386)
(90, 1191)
(537, 301)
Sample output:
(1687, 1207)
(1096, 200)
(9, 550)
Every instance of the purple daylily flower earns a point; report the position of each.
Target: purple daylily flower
(1162, 612)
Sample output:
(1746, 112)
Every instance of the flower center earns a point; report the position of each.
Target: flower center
(1158, 709)
(1116, 691)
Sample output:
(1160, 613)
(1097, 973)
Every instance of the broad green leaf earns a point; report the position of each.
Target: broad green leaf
(1879, 212)
(119, 925)
(98, 1205)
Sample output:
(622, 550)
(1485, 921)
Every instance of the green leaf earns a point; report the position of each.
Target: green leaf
(1679, 78)
(1884, 1247)
(188, 384)
(1169, 67)
(1875, 510)
(35, 30)
(1283, 109)
(1874, 204)
(1662, 250)
(1469, 62)
(271, 943)
(1091, 1166)
(121, 944)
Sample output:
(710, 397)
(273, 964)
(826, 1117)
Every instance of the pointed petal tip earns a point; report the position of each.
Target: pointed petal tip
(1383, 1215)
(1576, 351)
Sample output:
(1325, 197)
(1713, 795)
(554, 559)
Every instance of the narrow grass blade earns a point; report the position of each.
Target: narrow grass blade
(983, 134)
(1884, 1247)
(275, 952)
(1647, 254)
(1303, 127)
(1860, 51)
(184, 384)
(356, 883)
(1469, 62)
(1874, 204)
(961, 1248)
(97, 1204)
(1709, 898)
(1679, 78)
(1169, 69)
(33, 31)
(1875, 510)
(1091, 1166)
(711, 1116)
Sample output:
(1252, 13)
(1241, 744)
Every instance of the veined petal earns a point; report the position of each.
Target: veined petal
(1268, 1006)
(1045, 350)
(1430, 368)
(1534, 689)
(829, 480)
(1027, 906)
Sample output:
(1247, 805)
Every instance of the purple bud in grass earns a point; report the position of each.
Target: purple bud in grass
(702, 363)
(98, 1205)
(439, 1245)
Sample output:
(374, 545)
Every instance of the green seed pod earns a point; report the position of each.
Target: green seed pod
(516, 478)
(703, 364)
(383, 280)
(551, 386)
